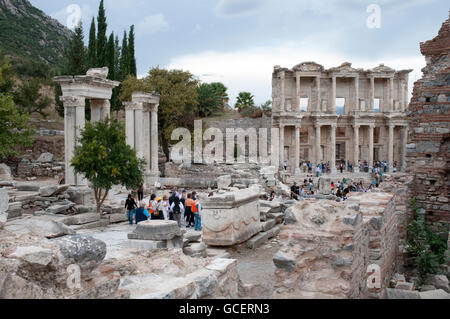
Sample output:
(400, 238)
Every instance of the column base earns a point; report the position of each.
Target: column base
(334, 170)
(151, 178)
(356, 170)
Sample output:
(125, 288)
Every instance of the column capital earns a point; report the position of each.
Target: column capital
(132, 106)
(357, 127)
(73, 101)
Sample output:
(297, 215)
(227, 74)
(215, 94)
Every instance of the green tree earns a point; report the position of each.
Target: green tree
(178, 99)
(59, 107)
(101, 36)
(424, 245)
(92, 48)
(117, 49)
(221, 90)
(131, 52)
(124, 68)
(244, 100)
(29, 98)
(209, 100)
(6, 75)
(267, 108)
(105, 159)
(76, 54)
(14, 127)
(110, 57)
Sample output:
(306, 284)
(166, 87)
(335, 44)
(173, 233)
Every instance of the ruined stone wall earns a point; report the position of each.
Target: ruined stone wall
(326, 252)
(429, 134)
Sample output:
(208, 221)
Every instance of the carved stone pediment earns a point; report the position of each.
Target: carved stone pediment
(382, 69)
(345, 67)
(308, 67)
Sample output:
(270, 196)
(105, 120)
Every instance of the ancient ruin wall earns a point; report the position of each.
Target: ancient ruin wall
(429, 134)
(326, 252)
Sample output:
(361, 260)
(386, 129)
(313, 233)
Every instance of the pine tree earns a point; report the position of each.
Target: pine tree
(101, 36)
(76, 54)
(124, 59)
(110, 57)
(131, 52)
(92, 49)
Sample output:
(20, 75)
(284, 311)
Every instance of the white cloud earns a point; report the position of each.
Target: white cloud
(152, 24)
(251, 70)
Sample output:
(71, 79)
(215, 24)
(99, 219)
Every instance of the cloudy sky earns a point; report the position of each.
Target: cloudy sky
(238, 42)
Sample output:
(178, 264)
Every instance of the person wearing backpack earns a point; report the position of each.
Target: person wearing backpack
(177, 210)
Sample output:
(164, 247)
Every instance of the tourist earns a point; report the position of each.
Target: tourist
(285, 165)
(142, 214)
(305, 167)
(294, 192)
(178, 209)
(341, 167)
(130, 206)
(141, 192)
(165, 208)
(197, 210)
(152, 206)
(158, 211)
(318, 171)
(188, 211)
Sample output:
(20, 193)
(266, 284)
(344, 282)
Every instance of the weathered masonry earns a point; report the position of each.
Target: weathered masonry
(429, 138)
(341, 113)
(93, 86)
(141, 118)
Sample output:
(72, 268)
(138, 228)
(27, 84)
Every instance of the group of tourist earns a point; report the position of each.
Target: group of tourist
(342, 165)
(341, 189)
(184, 208)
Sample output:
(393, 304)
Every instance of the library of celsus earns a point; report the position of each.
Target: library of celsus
(340, 114)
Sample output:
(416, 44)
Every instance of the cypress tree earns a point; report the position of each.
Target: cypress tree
(110, 57)
(131, 52)
(117, 49)
(92, 48)
(101, 36)
(76, 53)
(124, 59)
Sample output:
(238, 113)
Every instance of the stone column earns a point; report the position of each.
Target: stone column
(283, 92)
(391, 94)
(281, 145)
(74, 122)
(318, 143)
(129, 124)
(391, 147)
(298, 91)
(146, 145)
(297, 150)
(100, 110)
(371, 145)
(357, 93)
(333, 149)
(333, 94)
(402, 94)
(318, 105)
(138, 130)
(356, 148)
(372, 93)
(154, 141)
(403, 149)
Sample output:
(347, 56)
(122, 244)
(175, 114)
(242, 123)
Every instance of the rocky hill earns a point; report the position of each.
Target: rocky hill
(29, 34)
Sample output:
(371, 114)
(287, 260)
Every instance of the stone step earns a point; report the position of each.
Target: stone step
(268, 225)
(82, 219)
(117, 218)
(258, 240)
(98, 224)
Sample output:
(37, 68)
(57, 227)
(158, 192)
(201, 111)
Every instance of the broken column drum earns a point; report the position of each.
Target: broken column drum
(231, 218)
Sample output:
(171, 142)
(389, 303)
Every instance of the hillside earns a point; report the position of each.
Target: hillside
(28, 33)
